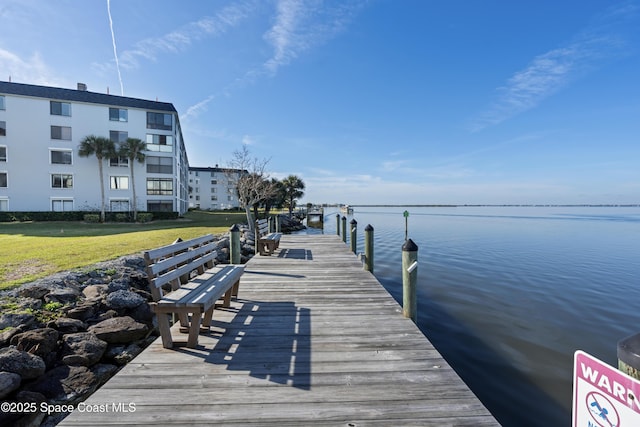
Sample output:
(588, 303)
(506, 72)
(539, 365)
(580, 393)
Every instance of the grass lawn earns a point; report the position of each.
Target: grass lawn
(31, 250)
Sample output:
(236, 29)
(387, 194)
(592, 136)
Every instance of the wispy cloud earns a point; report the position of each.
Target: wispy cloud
(301, 25)
(180, 39)
(31, 70)
(549, 72)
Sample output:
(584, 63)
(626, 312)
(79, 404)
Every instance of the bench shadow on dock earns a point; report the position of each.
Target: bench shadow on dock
(277, 334)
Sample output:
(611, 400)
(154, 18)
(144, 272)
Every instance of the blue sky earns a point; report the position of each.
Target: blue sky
(380, 101)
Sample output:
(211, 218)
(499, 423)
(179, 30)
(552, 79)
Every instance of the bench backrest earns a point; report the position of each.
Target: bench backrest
(174, 263)
(262, 227)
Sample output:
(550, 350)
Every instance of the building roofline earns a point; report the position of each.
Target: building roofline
(214, 169)
(85, 96)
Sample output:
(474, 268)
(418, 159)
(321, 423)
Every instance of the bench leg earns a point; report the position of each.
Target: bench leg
(236, 287)
(194, 330)
(184, 320)
(208, 316)
(165, 330)
(227, 297)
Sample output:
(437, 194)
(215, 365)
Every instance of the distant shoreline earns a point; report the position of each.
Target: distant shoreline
(587, 205)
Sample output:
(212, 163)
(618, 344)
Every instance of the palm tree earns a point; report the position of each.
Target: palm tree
(293, 187)
(133, 149)
(102, 148)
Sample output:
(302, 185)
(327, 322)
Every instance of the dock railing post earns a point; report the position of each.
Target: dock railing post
(344, 229)
(278, 226)
(338, 224)
(354, 236)
(629, 355)
(409, 280)
(257, 233)
(368, 248)
(234, 244)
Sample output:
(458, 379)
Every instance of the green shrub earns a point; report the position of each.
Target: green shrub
(122, 217)
(93, 218)
(145, 217)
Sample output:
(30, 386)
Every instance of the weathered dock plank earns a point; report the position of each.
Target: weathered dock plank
(313, 339)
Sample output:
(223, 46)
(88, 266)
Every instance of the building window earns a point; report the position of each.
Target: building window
(159, 164)
(4, 205)
(2, 107)
(119, 205)
(119, 182)
(60, 108)
(61, 157)
(161, 143)
(160, 206)
(214, 198)
(160, 186)
(3, 180)
(118, 115)
(59, 180)
(159, 121)
(3, 153)
(214, 182)
(214, 190)
(61, 205)
(119, 161)
(3, 128)
(118, 137)
(61, 132)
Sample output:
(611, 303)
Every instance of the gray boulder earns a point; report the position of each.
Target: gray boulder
(119, 330)
(84, 310)
(19, 362)
(36, 291)
(66, 325)
(83, 348)
(68, 384)
(123, 299)
(62, 295)
(41, 342)
(94, 291)
(9, 382)
(13, 320)
(122, 354)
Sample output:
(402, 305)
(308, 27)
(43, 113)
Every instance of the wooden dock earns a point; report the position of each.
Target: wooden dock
(312, 340)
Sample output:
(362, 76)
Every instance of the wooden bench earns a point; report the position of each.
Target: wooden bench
(187, 268)
(266, 242)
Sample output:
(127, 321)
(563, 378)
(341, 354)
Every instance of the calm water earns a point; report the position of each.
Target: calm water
(508, 294)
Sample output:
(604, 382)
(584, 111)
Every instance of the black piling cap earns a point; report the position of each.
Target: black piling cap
(368, 228)
(629, 351)
(409, 246)
(353, 221)
(234, 228)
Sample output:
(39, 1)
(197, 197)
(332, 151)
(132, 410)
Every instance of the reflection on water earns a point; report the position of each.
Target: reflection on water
(508, 294)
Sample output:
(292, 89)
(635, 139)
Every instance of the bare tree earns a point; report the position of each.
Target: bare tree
(252, 184)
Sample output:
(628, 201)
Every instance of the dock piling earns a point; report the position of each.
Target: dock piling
(409, 280)
(629, 356)
(344, 229)
(338, 224)
(354, 237)
(234, 244)
(368, 248)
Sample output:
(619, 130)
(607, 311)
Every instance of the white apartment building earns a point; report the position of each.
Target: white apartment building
(213, 188)
(40, 169)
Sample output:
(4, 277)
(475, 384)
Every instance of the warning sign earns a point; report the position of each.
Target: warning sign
(602, 395)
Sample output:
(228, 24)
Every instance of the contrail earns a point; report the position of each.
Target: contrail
(115, 50)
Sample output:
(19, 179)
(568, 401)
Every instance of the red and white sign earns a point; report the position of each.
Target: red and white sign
(602, 395)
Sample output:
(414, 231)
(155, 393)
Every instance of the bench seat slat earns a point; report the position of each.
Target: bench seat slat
(204, 290)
